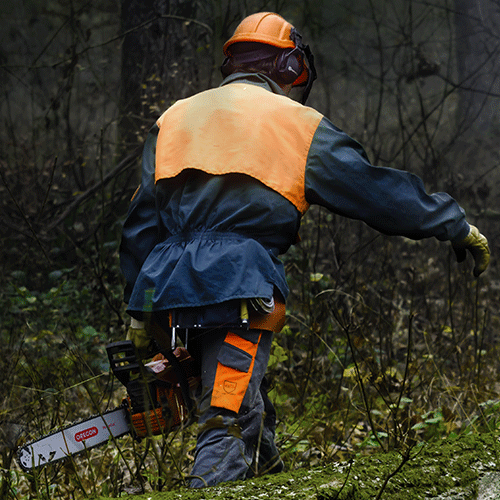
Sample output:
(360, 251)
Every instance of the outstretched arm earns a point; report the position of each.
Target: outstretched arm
(340, 177)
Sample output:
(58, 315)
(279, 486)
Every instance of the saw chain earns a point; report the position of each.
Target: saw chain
(158, 400)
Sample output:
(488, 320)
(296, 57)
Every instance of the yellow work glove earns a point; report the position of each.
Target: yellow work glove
(477, 244)
(140, 337)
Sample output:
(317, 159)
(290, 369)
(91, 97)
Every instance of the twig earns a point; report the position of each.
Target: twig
(407, 366)
(23, 215)
(345, 328)
(118, 37)
(48, 189)
(351, 463)
(125, 163)
(405, 458)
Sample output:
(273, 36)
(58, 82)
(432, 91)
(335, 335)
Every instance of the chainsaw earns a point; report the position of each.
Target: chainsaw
(158, 401)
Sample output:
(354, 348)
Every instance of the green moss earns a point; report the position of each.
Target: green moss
(446, 469)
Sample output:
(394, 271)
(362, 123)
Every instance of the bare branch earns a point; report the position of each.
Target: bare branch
(122, 166)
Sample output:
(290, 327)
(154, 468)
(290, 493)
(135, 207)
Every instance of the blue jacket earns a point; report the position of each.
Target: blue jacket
(195, 238)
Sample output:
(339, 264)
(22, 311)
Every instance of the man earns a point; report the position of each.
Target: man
(227, 175)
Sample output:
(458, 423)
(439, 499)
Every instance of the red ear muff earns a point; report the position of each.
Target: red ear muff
(289, 65)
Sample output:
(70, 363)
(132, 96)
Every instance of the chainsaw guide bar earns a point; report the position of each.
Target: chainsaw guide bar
(74, 439)
(158, 400)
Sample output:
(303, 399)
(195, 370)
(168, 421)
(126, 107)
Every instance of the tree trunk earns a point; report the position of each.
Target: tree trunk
(477, 24)
(160, 62)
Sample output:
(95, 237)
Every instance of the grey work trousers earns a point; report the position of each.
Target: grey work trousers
(233, 445)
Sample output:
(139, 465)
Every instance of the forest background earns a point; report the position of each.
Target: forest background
(389, 342)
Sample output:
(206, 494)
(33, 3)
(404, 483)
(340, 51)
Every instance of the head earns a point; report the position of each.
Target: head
(268, 44)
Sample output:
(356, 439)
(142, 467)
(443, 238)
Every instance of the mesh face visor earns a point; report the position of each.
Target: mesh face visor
(309, 68)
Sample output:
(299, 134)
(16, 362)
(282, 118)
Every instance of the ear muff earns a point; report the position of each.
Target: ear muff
(227, 67)
(289, 65)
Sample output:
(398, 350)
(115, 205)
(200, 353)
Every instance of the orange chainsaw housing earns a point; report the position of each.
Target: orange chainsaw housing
(170, 409)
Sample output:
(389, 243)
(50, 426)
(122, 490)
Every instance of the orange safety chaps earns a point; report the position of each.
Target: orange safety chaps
(237, 357)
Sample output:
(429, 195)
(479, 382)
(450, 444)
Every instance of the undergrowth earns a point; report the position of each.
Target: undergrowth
(389, 349)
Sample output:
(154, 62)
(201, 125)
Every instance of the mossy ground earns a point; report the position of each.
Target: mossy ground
(446, 469)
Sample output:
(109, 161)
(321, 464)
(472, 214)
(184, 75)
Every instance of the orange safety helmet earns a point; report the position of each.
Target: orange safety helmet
(272, 29)
(263, 27)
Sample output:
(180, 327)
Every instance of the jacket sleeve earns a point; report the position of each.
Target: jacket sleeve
(140, 230)
(340, 177)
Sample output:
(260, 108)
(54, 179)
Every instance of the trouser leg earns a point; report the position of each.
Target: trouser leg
(267, 458)
(231, 404)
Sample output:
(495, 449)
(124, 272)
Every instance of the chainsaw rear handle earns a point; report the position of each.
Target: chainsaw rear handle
(123, 360)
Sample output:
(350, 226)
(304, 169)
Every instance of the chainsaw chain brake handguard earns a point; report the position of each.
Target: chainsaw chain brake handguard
(159, 392)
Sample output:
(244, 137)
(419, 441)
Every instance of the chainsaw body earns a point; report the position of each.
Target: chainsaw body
(159, 392)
